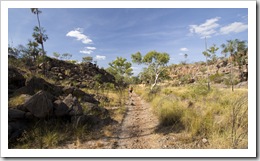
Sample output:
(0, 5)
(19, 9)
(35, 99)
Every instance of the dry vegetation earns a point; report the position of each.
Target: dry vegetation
(218, 116)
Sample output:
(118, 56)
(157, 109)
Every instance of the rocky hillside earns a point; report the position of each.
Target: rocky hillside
(219, 72)
(83, 73)
(32, 97)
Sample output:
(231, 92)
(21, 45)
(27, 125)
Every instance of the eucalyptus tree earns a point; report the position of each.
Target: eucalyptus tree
(155, 61)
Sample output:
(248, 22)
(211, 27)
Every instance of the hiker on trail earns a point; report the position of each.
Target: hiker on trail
(130, 90)
(130, 95)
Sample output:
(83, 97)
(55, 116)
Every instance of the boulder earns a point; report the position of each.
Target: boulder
(68, 90)
(89, 98)
(15, 129)
(60, 108)
(15, 79)
(40, 84)
(24, 90)
(40, 104)
(74, 106)
(14, 114)
(78, 93)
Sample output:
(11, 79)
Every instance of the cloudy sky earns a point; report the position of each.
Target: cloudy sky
(106, 33)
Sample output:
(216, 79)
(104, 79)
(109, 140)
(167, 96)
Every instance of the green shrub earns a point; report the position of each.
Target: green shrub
(216, 78)
(199, 89)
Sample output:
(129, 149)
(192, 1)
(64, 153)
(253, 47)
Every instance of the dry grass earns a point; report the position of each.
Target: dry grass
(17, 100)
(218, 115)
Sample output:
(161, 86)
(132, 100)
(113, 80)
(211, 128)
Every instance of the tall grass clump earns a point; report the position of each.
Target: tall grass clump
(239, 122)
(169, 111)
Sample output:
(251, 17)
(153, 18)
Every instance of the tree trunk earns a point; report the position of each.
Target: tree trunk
(43, 52)
(155, 81)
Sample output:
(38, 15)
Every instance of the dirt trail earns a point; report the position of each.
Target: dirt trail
(136, 131)
(138, 126)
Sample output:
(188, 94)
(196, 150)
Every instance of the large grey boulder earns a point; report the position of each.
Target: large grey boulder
(74, 106)
(40, 104)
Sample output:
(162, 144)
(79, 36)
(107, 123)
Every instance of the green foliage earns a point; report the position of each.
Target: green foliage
(39, 35)
(216, 78)
(212, 55)
(87, 59)
(199, 89)
(137, 58)
(66, 56)
(56, 55)
(13, 51)
(121, 69)
(238, 52)
(156, 63)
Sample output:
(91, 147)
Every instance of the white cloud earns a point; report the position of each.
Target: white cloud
(181, 54)
(184, 49)
(206, 29)
(86, 51)
(235, 27)
(78, 34)
(91, 48)
(100, 57)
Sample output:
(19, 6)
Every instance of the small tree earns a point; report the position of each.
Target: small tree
(33, 49)
(156, 63)
(39, 36)
(212, 50)
(56, 55)
(66, 56)
(87, 59)
(206, 54)
(121, 69)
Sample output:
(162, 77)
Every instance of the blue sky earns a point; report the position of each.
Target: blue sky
(108, 33)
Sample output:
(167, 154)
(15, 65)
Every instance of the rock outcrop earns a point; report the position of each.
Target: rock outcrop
(40, 104)
(51, 101)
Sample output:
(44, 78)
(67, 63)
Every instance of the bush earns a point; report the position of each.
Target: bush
(216, 78)
(199, 89)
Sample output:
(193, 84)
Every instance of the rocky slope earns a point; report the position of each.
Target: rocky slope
(219, 72)
(42, 100)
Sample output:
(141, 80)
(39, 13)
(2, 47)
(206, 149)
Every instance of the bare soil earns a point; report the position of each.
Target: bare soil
(138, 126)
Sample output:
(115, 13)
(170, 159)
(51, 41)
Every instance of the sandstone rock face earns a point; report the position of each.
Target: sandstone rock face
(39, 105)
